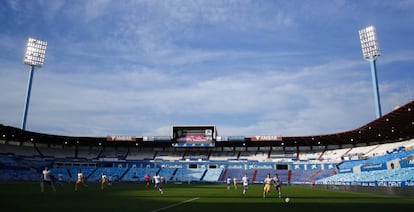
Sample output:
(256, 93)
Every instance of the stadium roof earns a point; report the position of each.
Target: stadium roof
(394, 126)
(398, 125)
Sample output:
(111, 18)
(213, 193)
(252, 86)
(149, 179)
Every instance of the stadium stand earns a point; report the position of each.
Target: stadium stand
(380, 153)
(137, 154)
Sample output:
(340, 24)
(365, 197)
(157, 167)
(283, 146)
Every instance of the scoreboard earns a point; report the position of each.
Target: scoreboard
(194, 136)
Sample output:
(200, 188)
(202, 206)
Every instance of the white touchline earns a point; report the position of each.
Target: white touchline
(173, 205)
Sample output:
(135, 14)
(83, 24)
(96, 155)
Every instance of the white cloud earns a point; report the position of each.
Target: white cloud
(250, 67)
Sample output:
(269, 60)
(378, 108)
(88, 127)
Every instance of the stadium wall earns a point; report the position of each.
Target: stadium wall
(382, 190)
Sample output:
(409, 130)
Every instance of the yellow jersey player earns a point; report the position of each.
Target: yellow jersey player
(268, 181)
(235, 182)
(80, 180)
(104, 181)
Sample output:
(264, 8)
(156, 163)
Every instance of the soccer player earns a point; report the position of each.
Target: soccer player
(278, 183)
(245, 181)
(268, 181)
(147, 179)
(235, 182)
(110, 179)
(228, 183)
(104, 181)
(60, 179)
(46, 177)
(80, 180)
(157, 181)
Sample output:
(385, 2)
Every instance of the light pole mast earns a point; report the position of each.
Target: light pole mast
(34, 57)
(371, 51)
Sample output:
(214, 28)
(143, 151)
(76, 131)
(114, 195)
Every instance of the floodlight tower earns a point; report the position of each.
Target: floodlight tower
(371, 50)
(34, 57)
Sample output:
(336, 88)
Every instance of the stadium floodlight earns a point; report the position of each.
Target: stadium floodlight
(35, 52)
(371, 51)
(34, 57)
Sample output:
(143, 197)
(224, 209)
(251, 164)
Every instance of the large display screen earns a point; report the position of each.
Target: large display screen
(194, 136)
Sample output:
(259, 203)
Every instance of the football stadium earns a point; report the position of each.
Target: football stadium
(370, 167)
(206, 105)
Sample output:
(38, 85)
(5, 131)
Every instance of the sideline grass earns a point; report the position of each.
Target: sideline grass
(195, 197)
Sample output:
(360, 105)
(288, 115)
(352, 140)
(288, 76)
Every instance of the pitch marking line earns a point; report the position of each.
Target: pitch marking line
(176, 204)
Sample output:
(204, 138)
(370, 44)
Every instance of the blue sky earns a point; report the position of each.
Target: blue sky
(288, 68)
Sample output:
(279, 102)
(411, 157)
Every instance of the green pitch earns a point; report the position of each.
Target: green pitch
(194, 197)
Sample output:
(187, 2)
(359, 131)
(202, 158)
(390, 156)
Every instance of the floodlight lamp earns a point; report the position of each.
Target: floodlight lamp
(369, 43)
(35, 52)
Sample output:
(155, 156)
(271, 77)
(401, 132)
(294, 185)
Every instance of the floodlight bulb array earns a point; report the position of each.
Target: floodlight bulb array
(369, 43)
(35, 52)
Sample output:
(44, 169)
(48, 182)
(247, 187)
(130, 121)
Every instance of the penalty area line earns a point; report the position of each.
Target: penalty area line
(176, 204)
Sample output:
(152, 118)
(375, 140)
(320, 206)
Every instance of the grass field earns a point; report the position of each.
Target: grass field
(195, 197)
